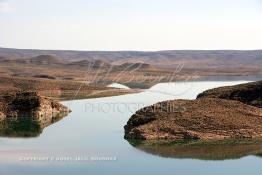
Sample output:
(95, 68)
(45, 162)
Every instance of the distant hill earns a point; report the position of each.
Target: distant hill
(90, 64)
(197, 59)
(169, 59)
(45, 59)
(38, 60)
(3, 59)
(135, 66)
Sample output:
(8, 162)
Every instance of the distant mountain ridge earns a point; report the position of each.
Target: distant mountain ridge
(168, 58)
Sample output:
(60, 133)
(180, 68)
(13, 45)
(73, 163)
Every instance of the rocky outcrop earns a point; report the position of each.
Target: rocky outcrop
(232, 114)
(26, 114)
(29, 104)
(249, 93)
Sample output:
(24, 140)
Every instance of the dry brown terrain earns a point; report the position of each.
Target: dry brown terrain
(203, 119)
(132, 68)
(75, 74)
(60, 89)
(98, 73)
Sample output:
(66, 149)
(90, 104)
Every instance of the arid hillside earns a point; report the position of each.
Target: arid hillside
(132, 68)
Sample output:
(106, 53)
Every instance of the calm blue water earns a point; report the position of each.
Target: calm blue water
(94, 129)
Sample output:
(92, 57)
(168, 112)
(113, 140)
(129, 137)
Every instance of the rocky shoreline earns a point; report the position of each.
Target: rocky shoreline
(232, 112)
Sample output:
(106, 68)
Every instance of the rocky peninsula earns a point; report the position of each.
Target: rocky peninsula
(232, 112)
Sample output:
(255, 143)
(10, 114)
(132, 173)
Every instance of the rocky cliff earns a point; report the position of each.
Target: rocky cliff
(29, 104)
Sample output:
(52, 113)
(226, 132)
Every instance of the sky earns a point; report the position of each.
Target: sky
(147, 25)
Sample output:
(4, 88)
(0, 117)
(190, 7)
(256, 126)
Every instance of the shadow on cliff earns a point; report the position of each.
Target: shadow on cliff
(215, 150)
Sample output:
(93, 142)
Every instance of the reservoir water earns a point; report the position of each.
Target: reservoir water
(90, 140)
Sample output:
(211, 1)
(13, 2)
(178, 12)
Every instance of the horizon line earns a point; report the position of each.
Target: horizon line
(72, 50)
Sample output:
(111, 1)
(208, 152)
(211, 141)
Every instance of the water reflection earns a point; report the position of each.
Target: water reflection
(27, 126)
(215, 150)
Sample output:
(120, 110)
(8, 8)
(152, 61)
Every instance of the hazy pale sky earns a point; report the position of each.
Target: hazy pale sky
(131, 24)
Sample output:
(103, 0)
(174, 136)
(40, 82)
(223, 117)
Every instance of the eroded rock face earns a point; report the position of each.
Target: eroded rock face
(204, 118)
(29, 104)
(249, 93)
